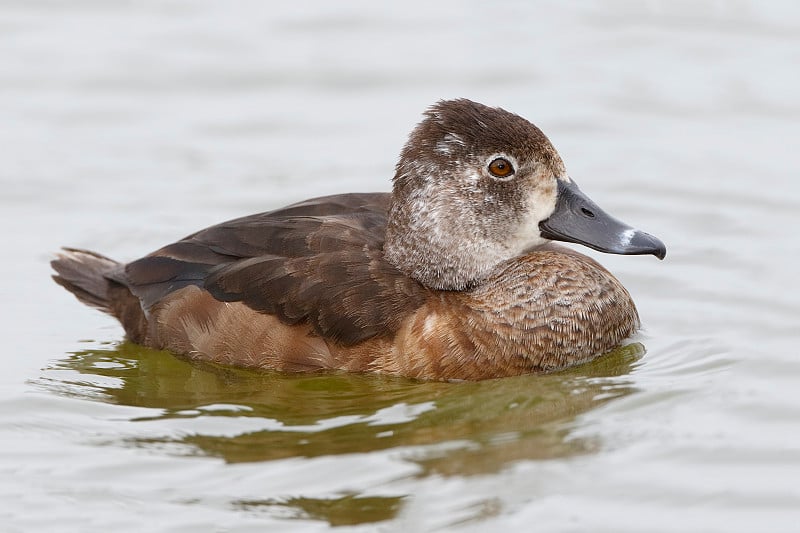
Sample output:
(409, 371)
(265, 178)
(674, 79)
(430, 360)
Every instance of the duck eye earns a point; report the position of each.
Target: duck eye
(501, 168)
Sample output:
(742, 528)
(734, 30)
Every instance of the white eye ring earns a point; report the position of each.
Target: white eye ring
(501, 167)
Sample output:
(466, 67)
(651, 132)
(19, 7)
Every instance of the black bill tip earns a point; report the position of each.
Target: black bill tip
(641, 243)
(578, 219)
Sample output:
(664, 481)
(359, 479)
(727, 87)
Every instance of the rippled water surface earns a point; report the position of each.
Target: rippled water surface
(126, 125)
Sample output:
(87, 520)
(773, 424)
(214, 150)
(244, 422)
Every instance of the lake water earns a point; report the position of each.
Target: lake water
(127, 125)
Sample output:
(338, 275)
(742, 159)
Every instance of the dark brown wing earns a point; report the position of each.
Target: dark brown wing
(318, 261)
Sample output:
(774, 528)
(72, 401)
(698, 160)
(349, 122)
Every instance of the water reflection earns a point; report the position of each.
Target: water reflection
(344, 511)
(446, 429)
(494, 422)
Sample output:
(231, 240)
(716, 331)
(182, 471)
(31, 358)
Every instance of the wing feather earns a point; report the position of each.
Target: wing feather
(318, 262)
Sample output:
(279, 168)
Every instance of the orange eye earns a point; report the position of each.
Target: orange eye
(501, 168)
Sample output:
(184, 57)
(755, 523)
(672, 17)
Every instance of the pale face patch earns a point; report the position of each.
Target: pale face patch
(541, 204)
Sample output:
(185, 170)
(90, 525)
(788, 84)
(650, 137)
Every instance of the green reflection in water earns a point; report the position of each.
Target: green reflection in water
(445, 428)
(345, 511)
(503, 420)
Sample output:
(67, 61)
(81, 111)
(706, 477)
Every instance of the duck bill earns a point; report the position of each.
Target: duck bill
(578, 219)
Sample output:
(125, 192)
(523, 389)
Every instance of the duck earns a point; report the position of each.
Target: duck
(454, 275)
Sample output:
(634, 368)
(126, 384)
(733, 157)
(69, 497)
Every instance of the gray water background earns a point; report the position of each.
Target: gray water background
(127, 125)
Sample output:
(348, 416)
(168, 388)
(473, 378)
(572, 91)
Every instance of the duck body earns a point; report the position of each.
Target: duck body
(451, 276)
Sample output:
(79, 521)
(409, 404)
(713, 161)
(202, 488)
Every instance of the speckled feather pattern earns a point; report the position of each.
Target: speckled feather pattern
(575, 312)
(445, 278)
(455, 222)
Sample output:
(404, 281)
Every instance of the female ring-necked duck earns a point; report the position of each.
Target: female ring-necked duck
(451, 276)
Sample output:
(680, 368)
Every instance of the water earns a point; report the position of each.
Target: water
(127, 125)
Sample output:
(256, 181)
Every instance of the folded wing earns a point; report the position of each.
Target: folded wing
(318, 262)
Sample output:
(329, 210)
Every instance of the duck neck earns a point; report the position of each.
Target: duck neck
(429, 243)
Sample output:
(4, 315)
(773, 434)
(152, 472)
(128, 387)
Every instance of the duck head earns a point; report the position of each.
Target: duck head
(476, 186)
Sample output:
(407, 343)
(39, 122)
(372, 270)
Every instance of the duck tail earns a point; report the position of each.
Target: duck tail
(83, 273)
